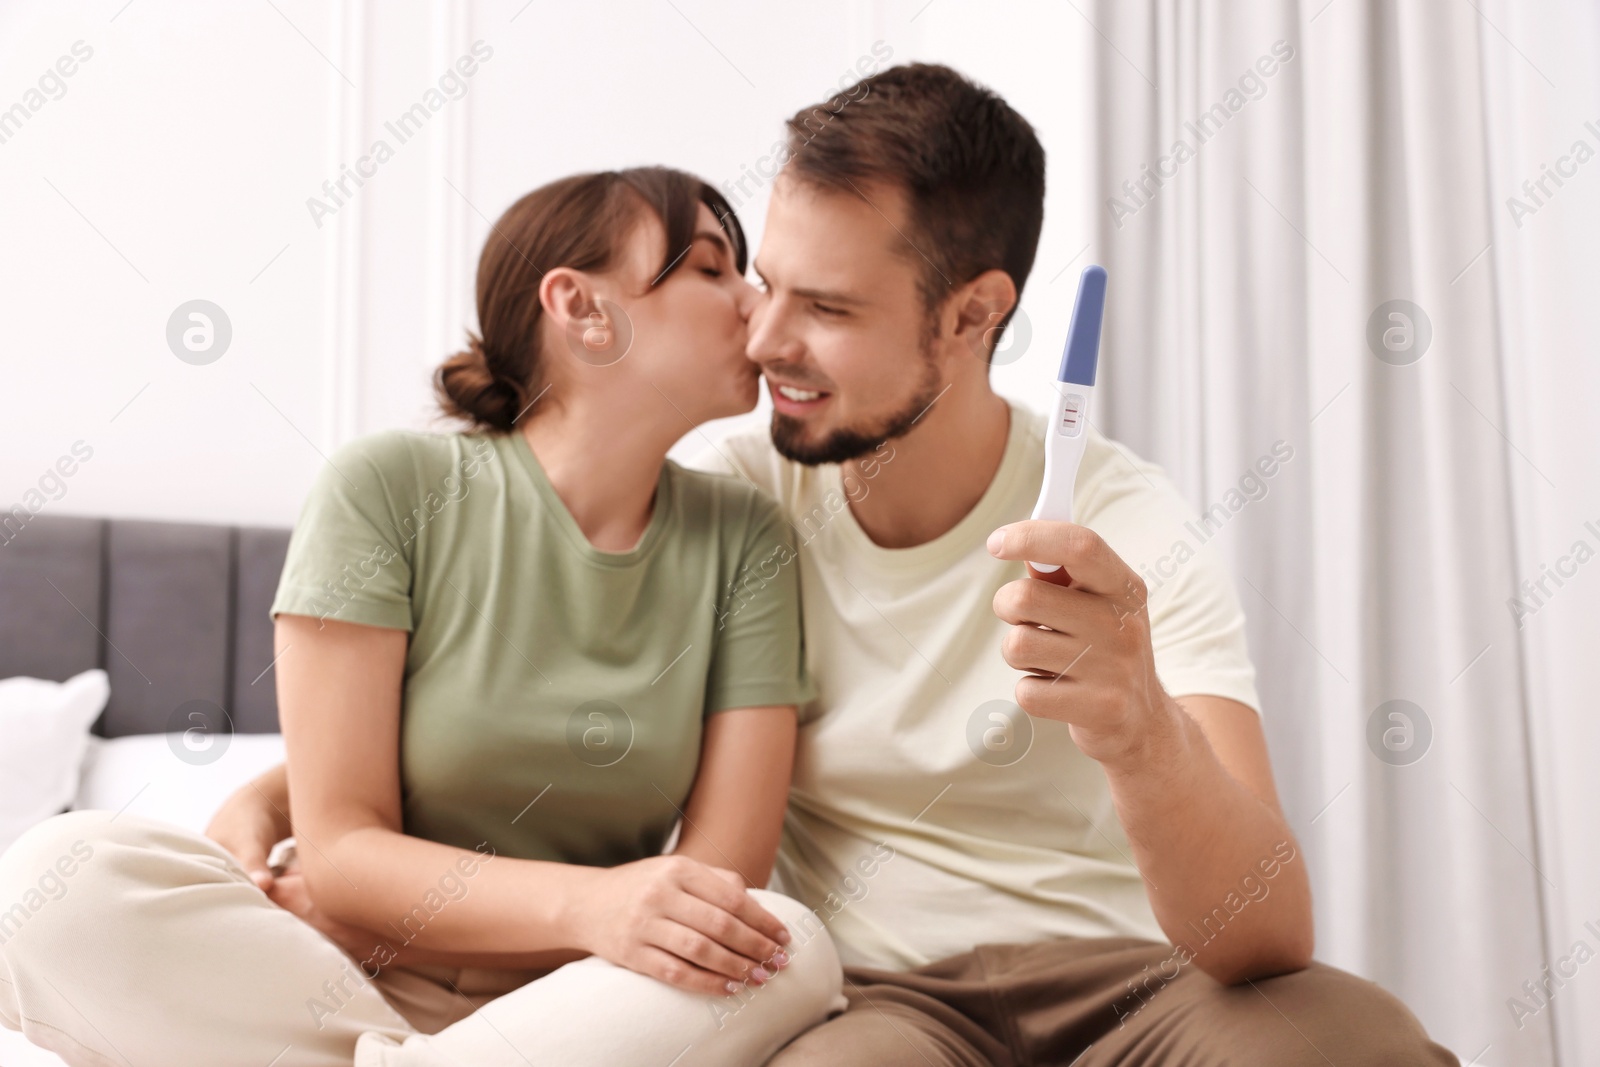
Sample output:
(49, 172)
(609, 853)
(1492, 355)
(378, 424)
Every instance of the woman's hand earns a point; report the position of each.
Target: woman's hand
(253, 819)
(250, 822)
(681, 921)
(288, 891)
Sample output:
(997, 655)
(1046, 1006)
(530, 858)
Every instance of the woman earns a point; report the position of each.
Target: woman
(509, 662)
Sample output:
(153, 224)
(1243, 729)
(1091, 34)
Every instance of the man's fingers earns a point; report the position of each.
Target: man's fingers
(1028, 648)
(1058, 576)
(1065, 609)
(1065, 699)
(1080, 551)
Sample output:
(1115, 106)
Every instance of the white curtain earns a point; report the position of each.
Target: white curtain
(1333, 248)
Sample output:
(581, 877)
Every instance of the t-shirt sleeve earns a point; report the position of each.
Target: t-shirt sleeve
(759, 657)
(1197, 628)
(347, 560)
(1197, 632)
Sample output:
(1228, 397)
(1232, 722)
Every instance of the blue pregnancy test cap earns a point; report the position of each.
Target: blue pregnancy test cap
(1082, 354)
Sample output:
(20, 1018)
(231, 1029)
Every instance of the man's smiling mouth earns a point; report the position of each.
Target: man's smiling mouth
(795, 400)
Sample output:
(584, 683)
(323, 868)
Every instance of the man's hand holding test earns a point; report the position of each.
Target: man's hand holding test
(1191, 781)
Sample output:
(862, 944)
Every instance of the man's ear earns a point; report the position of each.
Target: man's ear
(979, 307)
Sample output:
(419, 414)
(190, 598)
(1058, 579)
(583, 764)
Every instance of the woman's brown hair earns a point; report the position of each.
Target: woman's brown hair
(579, 222)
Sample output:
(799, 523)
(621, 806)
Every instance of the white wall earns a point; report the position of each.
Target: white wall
(178, 162)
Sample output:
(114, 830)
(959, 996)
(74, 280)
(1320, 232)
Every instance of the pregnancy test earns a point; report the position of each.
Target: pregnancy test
(1064, 441)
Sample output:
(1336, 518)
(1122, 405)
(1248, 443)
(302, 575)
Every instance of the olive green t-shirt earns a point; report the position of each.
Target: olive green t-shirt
(554, 694)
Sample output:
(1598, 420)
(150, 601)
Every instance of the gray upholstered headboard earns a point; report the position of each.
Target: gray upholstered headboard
(174, 612)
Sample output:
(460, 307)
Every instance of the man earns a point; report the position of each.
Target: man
(1107, 878)
(1143, 808)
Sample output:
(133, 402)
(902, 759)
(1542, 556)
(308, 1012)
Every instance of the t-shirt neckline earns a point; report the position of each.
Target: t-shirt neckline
(660, 513)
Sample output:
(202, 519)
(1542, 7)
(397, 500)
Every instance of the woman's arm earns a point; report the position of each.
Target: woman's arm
(339, 700)
(732, 820)
(735, 811)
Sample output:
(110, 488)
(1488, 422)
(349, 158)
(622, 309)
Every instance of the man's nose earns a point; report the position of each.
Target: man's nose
(770, 340)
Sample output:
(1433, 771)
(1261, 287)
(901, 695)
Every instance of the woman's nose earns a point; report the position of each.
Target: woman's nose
(747, 297)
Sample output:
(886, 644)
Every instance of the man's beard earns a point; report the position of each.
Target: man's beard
(852, 442)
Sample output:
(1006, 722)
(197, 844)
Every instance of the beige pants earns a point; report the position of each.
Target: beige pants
(132, 942)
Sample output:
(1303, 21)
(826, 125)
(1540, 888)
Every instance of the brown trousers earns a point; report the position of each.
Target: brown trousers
(1098, 1002)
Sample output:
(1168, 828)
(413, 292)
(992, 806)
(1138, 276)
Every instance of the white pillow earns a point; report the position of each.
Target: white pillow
(44, 729)
(148, 770)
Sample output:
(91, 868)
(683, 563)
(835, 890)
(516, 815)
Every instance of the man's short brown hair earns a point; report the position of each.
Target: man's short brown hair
(972, 169)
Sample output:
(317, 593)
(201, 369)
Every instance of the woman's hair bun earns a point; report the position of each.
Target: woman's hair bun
(469, 388)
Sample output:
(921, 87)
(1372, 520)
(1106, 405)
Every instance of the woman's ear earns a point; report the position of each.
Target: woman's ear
(566, 296)
(587, 321)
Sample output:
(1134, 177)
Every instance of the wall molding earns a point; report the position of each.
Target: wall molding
(342, 251)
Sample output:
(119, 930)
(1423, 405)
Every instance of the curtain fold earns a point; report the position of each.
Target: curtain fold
(1307, 224)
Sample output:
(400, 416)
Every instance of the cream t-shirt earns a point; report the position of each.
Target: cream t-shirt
(928, 813)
